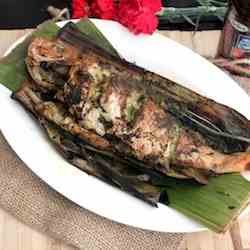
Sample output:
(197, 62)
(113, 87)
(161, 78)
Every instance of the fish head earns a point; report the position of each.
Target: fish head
(53, 51)
(49, 62)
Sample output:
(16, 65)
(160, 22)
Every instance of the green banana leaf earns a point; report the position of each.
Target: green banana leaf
(88, 28)
(215, 205)
(12, 67)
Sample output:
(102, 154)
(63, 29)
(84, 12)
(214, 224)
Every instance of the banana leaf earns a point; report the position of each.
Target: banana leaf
(90, 30)
(12, 67)
(215, 205)
(223, 128)
(105, 168)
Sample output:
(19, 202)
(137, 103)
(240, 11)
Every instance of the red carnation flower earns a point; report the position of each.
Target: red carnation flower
(153, 5)
(103, 9)
(79, 8)
(139, 15)
(143, 22)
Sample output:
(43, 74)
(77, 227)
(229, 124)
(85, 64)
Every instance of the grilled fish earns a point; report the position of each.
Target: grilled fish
(118, 107)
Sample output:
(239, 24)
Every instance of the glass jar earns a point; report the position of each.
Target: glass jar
(235, 40)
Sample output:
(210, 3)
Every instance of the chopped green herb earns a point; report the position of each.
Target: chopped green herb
(130, 113)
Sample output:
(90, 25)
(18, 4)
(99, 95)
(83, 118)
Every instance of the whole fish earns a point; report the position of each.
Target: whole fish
(118, 107)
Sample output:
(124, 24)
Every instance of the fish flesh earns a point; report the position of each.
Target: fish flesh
(119, 108)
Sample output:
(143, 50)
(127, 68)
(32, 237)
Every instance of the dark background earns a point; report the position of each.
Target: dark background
(26, 13)
(29, 13)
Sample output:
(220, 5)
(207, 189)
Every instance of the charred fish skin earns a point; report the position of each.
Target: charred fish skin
(101, 164)
(110, 171)
(225, 118)
(106, 96)
(110, 98)
(234, 129)
(55, 113)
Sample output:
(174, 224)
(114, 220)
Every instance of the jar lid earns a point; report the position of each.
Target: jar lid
(242, 7)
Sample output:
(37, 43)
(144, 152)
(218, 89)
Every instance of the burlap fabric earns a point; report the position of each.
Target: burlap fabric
(32, 201)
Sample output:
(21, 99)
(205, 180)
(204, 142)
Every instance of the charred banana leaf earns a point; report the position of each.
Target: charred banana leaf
(102, 165)
(224, 128)
(116, 173)
(123, 110)
(57, 115)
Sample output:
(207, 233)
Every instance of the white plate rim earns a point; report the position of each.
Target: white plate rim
(196, 228)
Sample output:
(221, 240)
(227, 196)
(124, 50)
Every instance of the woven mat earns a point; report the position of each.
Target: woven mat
(32, 201)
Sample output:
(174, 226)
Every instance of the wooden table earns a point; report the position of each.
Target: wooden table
(16, 236)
